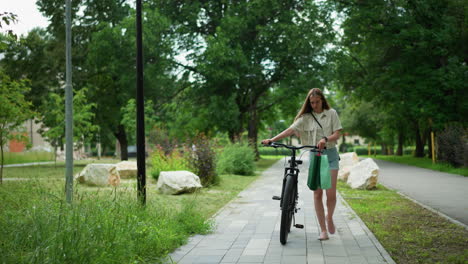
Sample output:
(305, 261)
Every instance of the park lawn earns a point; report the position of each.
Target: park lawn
(409, 232)
(275, 157)
(104, 225)
(421, 163)
(27, 157)
(53, 170)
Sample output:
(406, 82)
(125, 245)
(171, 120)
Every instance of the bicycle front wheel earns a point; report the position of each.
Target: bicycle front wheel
(287, 209)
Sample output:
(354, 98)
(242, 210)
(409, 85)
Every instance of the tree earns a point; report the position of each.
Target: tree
(53, 119)
(14, 110)
(35, 57)
(129, 119)
(6, 18)
(111, 62)
(248, 56)
(389, 55)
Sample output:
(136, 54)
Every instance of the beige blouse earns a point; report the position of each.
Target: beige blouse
(310, 132)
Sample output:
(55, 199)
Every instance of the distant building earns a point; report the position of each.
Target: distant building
(351, 139)
(35, 140)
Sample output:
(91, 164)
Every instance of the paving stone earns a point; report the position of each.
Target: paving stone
(250, 259)
(258, 243)
(254, 252)
(375, 260)
(293, 259)
(315, 259)
(295, 251)
(357, 260)
(337, 260)
(207, 259)
(209, 252)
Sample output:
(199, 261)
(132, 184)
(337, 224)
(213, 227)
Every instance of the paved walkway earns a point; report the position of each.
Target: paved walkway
(247, 231)
(443, 192)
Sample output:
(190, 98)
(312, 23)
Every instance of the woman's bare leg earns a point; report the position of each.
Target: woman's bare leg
(331, 202)
(319, 210)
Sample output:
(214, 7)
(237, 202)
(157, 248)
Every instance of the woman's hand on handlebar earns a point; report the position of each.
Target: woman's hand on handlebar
(321, 144)
(267, 141)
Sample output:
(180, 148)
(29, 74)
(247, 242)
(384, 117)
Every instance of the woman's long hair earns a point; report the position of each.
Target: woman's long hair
(307, 108)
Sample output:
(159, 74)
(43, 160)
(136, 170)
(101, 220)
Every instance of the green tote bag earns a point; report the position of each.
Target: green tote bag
(325, 177)
(313, 181)
(319, 172)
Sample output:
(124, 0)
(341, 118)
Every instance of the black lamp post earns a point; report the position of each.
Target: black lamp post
(141, 176)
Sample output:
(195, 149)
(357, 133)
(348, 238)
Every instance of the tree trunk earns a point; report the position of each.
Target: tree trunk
(343, 147)
(55, 156)
(400, 143)
(234, 136)
(253, 131)
(429, 143)
(1, 165)
(384, 149)
(122, 138)
(419, 143)
(424, 136)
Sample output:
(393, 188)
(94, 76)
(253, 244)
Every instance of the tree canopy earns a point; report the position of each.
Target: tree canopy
(395, 70)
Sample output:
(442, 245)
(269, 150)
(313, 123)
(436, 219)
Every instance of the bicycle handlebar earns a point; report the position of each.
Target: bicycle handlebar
(277, 144)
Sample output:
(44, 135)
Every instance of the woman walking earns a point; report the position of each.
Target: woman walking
(319, 125)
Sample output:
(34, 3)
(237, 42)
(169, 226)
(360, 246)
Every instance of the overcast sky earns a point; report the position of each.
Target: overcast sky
(28, 15)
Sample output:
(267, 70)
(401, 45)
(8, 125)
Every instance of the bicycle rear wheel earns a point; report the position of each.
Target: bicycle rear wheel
(287, 209)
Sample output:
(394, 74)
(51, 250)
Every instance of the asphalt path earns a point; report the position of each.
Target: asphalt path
(443, 192)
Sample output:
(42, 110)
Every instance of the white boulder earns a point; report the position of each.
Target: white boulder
(99, 175)
(343, 173)
(364, 175)
(127, 169)
(177, 182)
(347, 161)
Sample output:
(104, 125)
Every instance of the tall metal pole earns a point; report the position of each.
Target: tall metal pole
(68, 109)
(141, 177)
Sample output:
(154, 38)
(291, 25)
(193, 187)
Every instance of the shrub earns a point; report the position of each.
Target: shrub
(237, 159)
(363, 150)
(452, 145)
(202, 160)
(162, 162)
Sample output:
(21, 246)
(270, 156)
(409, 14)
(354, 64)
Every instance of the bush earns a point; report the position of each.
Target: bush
(237, 159)
(362, 150)
(452, 145)
(202, 160)
(161, 162)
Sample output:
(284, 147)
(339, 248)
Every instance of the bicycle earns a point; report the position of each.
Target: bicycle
(289, 193)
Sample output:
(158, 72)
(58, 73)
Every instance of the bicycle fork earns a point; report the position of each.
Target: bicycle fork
(294, 209)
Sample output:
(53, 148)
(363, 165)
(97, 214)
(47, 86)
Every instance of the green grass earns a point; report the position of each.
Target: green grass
(49, 170)
(104, 225)
(26, 157)
(422, 163)
(409, 232)
(274, 157)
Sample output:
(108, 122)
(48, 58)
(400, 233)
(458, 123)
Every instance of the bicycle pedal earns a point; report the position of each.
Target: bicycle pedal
(299, 226)
(276, 197)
